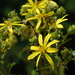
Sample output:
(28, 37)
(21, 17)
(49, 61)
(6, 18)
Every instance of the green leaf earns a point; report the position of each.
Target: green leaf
(10, 65)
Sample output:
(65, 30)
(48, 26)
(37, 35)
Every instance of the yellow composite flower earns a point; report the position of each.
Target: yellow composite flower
(43, 48)
(34, 6)
(9, 25)
(58, 25)
(41, 17)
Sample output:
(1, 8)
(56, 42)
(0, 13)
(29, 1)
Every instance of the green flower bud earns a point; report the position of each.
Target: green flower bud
(34, 38)
(73, 53)
(71, 29)
(66, 54)
(55, 35)
(61, 11)
(12, 14)
(51, 5)
(23, 10)
(16, 19)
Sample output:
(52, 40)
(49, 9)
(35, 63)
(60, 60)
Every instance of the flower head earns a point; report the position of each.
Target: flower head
(40, 16)
(9, 25)
(43, 48)
(58, 25)
(34, 6)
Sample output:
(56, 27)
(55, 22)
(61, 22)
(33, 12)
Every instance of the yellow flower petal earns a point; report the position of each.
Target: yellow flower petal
(31, 2)
(10, 29)
(44, 24)
(38, 24)
(33, 55)
(43, 6)
(64, 20)
(60, 26)
(37, 11)
(64, 16)
(35, 1)
(24, 14)
(52, 42)
(42, 2)
(34, 48)
(38, 60)
(47, 39)
(49, 59)
(2, 27)
(61, 19)
(51, 50)
(17, 24)
(2, 24)
(40, 40)
(50, 13)
(32, 18)
(26, 6)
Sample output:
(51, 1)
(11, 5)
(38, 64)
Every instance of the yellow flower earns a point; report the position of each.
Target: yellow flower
(34, 6)
(9, 25)
(41, 17)
(58, 25)
(44, 48)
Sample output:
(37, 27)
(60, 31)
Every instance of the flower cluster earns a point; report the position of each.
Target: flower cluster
(38, 11)
(42, 28)
(42, 17)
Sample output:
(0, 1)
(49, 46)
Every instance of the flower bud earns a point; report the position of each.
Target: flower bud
(12, 14)
(66, 54)
(71, 29)
(55, 35)
(61, 11)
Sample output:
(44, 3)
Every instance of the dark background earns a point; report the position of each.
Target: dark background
(8, 5)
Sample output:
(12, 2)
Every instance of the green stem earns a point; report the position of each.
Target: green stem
(65, 38)
(61, 70)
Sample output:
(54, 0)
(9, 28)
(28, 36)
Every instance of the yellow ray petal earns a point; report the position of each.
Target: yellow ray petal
(42, 2)
(36, 2)
(24, 14)
(51, 50)
(43, 6)
(64, 16)
(40, 40)
(50, 13)
(26, 6)
(38, 24)
(33, 55)
(10, 29)
(31, 2)
(64, 20)
(60, 20)
(52, 42)
(37, 11)
(2, 24)
(38, 60)
(47, 39)
(2, 27)
(34, 48)
(59, 26)
(32, 18)
(49, 59)
(44, 24)
(18, 24)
